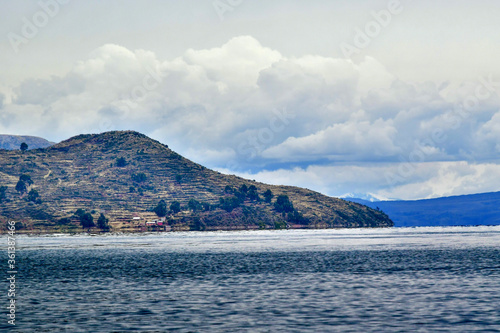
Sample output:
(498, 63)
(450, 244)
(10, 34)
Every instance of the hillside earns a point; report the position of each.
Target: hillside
(475, 209)
(125, 175)
(13, 142)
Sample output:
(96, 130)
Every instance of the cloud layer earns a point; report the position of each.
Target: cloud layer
(326, 123)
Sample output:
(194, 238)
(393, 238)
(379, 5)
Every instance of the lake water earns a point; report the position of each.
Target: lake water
(357, 280)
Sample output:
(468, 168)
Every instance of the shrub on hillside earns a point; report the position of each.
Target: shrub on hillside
(230, 203)
(121, 162)
(139, 177)
(283, 204)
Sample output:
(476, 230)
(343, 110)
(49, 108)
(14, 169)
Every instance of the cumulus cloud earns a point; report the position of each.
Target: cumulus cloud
(359, 140)
(237, 63)
(439, 179)
(423, 181)
(489, 135)
(46, 92)
(248, 108)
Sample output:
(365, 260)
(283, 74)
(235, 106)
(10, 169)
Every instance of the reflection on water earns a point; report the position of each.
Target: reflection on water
(388, 280)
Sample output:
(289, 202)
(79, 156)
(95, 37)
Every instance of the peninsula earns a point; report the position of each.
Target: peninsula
(125, 181)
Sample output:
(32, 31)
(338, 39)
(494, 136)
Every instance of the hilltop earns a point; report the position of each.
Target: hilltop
(13, 142)
(125, 174)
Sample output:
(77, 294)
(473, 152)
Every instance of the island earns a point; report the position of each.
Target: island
(126, 181)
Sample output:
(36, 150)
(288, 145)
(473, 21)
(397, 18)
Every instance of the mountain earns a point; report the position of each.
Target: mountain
(474, 209)
(125, 175)
(359, 196)
(13, 142)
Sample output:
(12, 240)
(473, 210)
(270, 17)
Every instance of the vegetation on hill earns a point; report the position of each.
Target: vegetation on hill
(116, 176)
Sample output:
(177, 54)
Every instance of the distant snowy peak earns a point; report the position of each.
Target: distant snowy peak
(362, 196)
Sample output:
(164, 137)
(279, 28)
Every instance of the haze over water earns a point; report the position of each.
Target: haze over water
(358, 280)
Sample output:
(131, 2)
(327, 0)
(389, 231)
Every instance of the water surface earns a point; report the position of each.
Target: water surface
(349, 280)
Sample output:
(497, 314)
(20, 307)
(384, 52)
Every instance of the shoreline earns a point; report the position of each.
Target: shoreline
(125, 231)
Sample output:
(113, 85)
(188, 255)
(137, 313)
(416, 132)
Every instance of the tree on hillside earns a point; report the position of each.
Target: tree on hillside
(24, 183)
(241, 196)
(194, 205)
(102, 222)
(87, 221)
(33, 196)
(252, 194)
(296, 217)
(228, 204)
(21, 187)
(121, 162)
(283, 204)
(64, 221)
(206, 206)
(175, 207)
(27, 179)
(268, 196)
(161, 208)
(79, 212)
(23, 147)
(244, 188)
(139, 177)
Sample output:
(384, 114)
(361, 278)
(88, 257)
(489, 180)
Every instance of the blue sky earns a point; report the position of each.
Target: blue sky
(390, 99)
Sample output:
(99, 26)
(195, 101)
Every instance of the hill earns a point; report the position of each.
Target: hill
(475, 209)
(125, 175)
(13, 142)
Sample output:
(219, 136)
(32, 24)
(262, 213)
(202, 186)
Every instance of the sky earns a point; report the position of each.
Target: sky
(395, 99)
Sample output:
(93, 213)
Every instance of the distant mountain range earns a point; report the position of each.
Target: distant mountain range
(13, 142)
(474, 209)
(133, 179)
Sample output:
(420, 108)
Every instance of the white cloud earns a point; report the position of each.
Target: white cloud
(427, 180)
(226, 104)
(358, 140)
(236, 63)
(446, 179)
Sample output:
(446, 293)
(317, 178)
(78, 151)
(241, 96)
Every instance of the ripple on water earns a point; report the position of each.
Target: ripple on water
(239, 287)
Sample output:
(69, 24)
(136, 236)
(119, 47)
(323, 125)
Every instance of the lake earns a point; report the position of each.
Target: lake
(343, 280)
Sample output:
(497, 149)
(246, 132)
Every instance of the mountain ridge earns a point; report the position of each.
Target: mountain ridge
(13, 142)
(124, 174)
(459, 210)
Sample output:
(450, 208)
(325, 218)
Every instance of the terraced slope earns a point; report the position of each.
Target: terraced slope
(83, 172)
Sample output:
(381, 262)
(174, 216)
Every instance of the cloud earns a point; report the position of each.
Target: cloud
(446, 179)
(247, 106)
(46, 92)
(237, 63)
(428, 180)
(358, 140)
(488, 137)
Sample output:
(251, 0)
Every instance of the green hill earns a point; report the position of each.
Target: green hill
(125, 174)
